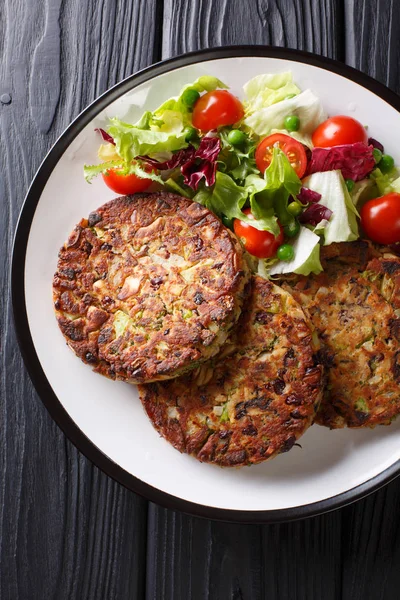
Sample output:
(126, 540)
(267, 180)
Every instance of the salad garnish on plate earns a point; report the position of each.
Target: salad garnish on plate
(272, 166)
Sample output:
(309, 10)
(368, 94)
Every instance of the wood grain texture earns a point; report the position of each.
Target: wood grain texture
(371, 528)
(66, 530)
(190, 559)
(371, 546)
(314, 25)
(372, 39)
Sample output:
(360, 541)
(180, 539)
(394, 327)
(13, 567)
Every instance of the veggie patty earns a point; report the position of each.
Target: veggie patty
(149, 286)
(256, 398)
(354, 305)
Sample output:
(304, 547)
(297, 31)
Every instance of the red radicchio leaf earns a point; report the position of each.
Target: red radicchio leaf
(376, 144)
(194, 164)
(193, 173)
(355, 161)
(307, 196)
(314, 214)
(106, 136)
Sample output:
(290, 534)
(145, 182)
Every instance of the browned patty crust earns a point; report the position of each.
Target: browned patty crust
(149, 286)
(256, 398)
(352, 305)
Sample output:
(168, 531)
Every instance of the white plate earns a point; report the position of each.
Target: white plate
(105, 419)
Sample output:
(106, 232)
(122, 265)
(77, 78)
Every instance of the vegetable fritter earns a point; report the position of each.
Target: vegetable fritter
(354, 307)
(255, 399)
(149, 286)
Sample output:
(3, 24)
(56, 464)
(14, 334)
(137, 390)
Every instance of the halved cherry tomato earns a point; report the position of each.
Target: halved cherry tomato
(338, 131)
(215, 109)
(262, 244)
(125, 184)
(380, 219)
(291, 147)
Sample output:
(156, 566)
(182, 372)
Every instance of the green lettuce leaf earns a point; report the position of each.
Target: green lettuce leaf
(227, 198)
(132, 168)
(264, 90)
(272, 192)
(131, 141)
(305, 105)
(385, 182)
(91, 171)
(162, 130)
(342, 226)
(306, 256)
(362, 191)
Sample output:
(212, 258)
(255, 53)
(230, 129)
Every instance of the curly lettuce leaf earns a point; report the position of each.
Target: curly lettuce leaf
(131, 141)
(91, 171)
(133, 168)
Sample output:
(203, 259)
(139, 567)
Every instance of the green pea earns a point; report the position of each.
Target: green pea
(285, 252)
(349, 184)
(189, 97)
(236, 137)
(377, 155)
(190, 133)
(227, 221)
(292, 123)
(295, 208)
(386, 163)
(292, 229)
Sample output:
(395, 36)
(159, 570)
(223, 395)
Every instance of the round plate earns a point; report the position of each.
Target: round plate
(105, 419)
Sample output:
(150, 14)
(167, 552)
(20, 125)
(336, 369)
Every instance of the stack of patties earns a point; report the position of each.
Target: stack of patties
(153, 287)
(354, 305)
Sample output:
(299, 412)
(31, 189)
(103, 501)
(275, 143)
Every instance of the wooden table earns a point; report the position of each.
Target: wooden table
(67, 531)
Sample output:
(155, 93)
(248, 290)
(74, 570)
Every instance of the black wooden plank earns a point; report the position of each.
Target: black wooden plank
(372, 39)
(302, 560)
(190, 558)
(66, 530)
(371, 528)
(314, 25)
(371, 546)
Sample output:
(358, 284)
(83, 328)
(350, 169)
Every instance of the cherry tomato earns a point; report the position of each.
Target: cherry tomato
(291, 147)
(215, 109)
(380, 219)
(125, 184)
(338, 131)
(262, 244)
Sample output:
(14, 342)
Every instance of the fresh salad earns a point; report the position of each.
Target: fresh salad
(272, 166)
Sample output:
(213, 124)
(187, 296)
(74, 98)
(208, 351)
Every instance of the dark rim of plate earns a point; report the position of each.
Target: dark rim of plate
(33, 365)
